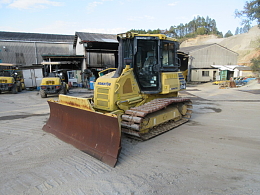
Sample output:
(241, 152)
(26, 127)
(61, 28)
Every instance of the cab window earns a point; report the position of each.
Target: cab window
(168, 55)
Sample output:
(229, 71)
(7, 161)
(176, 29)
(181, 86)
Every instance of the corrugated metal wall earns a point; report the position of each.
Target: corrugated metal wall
(213, 55)
(106, 60)
(28, 53)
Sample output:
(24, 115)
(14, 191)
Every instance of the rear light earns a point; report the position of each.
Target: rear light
(43, 87)
(57, 87)
(10, 85)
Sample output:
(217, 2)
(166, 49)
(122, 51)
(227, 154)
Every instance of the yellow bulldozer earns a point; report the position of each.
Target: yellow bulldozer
(140, 99)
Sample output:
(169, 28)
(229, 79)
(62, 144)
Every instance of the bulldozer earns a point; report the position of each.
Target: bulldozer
(139, 99)
(10, 80)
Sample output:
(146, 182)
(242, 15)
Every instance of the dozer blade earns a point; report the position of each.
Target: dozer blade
(94, 133)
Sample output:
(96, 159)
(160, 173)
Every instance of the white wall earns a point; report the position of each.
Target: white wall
(197, 75)
(213, 55)
(80, 50)
(32, 77)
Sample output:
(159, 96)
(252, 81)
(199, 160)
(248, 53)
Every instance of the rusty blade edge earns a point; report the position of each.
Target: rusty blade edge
(66, 123)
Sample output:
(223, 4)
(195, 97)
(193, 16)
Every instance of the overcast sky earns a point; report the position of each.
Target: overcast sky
(112, 16)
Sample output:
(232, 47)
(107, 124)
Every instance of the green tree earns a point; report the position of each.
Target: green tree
(250, 13)
(198, 26)
(201, 31)
(237, 31)
(228, 34)
(255, 64)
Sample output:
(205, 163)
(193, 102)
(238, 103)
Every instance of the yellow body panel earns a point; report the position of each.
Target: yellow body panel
(170, 82)
(110, 92)
(122, 93)
(7, 80)
(51, 81)
(77, 102)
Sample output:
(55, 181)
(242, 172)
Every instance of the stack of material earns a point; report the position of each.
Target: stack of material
(232, 84)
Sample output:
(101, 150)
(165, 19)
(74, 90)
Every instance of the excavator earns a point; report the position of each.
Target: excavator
(140, 99)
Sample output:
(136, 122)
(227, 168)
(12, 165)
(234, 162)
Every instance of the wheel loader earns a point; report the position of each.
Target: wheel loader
(140, 99)
(54, 82)
(10, 81)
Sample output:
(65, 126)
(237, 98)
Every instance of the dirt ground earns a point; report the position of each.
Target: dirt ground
(216, 152)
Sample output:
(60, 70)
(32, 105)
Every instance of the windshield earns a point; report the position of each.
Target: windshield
(168, 52)
(128, 52)
(146, 61)
(6, 73)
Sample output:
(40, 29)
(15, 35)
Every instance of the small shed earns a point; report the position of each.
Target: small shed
(228, 71)
(100, 51)
(203, 56)
(244, 71)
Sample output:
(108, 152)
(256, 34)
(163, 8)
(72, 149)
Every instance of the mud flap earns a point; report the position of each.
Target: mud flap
(94, 133)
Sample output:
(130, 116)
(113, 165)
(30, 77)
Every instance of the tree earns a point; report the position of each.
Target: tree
(198, 26)
(214, 26)
(250, 13)
(237, 31)
(228, 34)
(201, 31)
(255, 64)
(220, 34)
(246, 28)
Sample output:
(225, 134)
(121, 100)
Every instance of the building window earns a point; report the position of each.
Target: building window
(205, 73)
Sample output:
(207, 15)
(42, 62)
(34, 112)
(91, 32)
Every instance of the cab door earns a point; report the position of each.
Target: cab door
(147, 65)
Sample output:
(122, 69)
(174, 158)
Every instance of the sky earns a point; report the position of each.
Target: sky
(113, 16)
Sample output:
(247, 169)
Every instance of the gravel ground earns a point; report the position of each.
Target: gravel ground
(216, 152)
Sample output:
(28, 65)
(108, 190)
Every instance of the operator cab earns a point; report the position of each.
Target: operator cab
(149, 55)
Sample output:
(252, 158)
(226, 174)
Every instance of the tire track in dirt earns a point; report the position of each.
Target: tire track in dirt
(33, 149)
(130, 152)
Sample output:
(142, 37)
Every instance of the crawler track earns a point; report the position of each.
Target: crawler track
(133, 118)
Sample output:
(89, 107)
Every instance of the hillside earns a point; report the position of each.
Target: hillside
(244, 44)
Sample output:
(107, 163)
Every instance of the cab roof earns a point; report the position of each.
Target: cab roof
(132, 35)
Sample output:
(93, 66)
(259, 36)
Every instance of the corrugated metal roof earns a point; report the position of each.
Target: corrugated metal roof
(231, 67)
(96, 37)
(193, 48)
(225, 67)
(35, 37)
(198, 47)
(245, 68)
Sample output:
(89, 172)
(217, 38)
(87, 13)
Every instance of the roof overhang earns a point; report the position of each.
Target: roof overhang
(50, 63)
(226, 67)
(6, 64)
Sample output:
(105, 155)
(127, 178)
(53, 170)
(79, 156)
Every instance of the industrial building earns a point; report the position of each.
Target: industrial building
(75, 52)
(27, 49)
(95, 52)
(201, 59)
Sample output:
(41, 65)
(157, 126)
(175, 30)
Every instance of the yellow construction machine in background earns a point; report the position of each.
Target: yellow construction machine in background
(10, 80)
(54, 81)
(139, 99)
